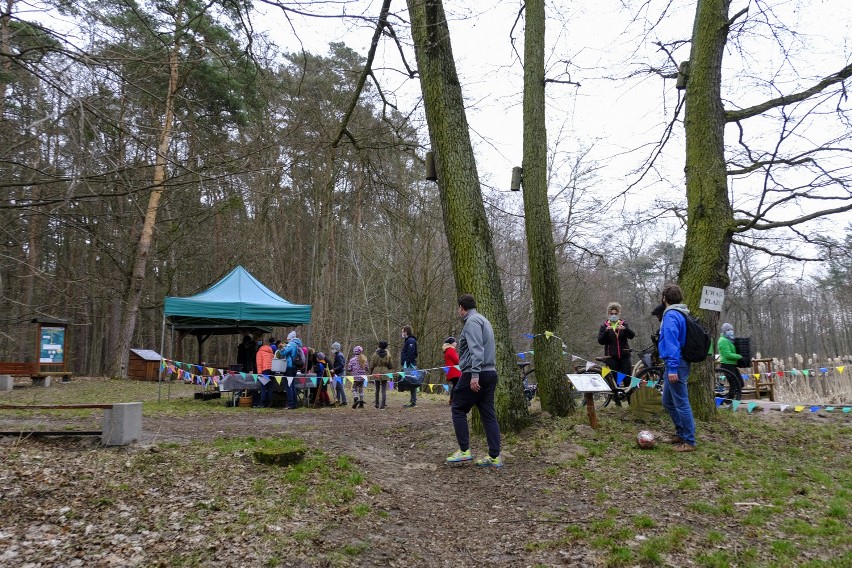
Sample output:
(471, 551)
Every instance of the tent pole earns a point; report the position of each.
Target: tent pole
(162, 369)
(172, 357)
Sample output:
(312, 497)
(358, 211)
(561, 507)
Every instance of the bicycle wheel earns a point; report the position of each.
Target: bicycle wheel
(652, 374)
(723, 380)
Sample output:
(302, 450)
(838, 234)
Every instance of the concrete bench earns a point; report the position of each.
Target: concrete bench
(122, 421)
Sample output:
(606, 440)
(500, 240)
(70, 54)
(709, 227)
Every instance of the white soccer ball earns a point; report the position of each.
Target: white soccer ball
(646, 440)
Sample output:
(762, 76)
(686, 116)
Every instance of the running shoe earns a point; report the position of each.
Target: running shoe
(460, 456)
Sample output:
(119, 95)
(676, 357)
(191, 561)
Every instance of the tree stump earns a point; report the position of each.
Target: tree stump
(282, 458)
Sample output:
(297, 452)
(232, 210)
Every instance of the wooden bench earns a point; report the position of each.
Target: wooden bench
(121, 425)
(39, 373)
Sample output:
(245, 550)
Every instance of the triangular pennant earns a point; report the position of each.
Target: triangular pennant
(846, 409)
(574, 358)
(719, 401)
(840, 369)
(325, 380)
(446, 370)
(756, 375)
(798, 408)
(829, 408)
(750, 406)
(780, 374)
(806, 372)
(823, 370)
(735, 404)
(529, 336)
(815, 408)
(652, 384)
(634, 382)
(605, 371)
(523, 356)
(290, 381)
(446, 388)
(548, 334)
(784, 407)
(390, 385)
(619, 378)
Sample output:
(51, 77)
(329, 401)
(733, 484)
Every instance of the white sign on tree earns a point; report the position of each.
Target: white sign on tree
(712, 299)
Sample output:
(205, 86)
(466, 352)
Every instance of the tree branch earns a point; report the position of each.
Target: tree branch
(839, 77)
(774, 252)
(371, 55)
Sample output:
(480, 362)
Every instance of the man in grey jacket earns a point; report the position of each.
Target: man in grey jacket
(477, 361)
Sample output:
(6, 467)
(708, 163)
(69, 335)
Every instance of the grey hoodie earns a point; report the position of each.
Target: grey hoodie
(477, 350)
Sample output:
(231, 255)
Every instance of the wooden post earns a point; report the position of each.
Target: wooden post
(590, 410)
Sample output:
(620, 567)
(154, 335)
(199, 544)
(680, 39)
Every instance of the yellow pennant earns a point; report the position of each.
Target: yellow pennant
(548, 334)
(756, 375)
(605, 371)
(799, 408)
(840, 370)
(278, 379)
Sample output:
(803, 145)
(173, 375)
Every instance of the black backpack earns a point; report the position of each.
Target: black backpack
(299, 359)
(698, 341)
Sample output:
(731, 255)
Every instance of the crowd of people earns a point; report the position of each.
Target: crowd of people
(330, 390)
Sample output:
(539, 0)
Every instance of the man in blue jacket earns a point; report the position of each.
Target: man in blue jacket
(675, 395)
(476, 386)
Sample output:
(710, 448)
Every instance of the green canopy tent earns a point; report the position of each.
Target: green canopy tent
(238, 303)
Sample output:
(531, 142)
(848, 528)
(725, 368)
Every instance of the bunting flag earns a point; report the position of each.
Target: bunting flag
(751, 406)
(719, 401)
(634, 382)
(619, 378)
(735, 404)
(840, 369)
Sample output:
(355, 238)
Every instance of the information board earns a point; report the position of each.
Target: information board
(590, 382)
(52, 344)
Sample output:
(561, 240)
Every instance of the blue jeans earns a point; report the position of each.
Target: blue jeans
(291, 387)
(464, 399)
(339, 391)
(676, 403)
(412, 370)
(266, 389)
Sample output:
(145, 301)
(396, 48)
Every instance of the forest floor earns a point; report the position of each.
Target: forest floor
(763, 489)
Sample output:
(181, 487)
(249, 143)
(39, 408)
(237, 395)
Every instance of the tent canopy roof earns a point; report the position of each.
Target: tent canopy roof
(237, 301)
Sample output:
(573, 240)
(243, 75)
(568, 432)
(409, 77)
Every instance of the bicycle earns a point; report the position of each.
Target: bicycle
(530, 389)
(618, 394)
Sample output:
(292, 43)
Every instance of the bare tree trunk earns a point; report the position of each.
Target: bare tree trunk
(710, 216)
(548, 358)
(5, 45)
(465, 221)
(134, 295)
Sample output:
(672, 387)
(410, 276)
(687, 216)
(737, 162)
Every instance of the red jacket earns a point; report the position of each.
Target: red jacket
(264, 358)
(451, 359)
